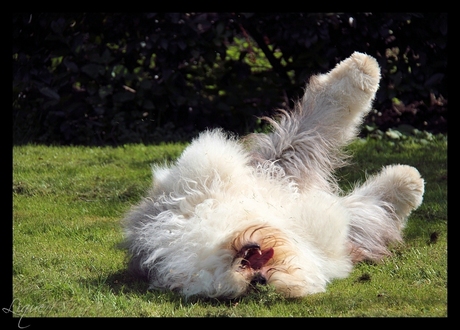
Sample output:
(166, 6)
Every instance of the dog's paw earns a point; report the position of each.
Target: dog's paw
(345, 93)
(367, 71)
(404, 188)
(362, 70)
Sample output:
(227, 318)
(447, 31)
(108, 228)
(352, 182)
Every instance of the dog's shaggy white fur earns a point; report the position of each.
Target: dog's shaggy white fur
(267, 209)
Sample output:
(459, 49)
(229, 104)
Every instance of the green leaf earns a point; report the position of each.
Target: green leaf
(395, 135)
(71, 66)
(405, 129)
(146, 84)
(123, 97)
(106, 57)
(93, 70)
(148, 105)
(48, 92)
(105, 90)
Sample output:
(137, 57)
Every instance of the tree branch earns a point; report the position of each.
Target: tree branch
(258, 38)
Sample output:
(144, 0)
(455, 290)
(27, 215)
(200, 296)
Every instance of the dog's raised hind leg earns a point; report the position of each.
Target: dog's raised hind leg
(335, 103)
(306, 142)
(379, 209)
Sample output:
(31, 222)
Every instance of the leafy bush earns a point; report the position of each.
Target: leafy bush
(98, 78)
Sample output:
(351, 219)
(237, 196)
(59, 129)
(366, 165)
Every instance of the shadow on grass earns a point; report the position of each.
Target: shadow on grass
(121, 282)
(124, 282)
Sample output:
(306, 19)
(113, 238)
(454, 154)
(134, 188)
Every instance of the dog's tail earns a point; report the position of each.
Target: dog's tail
(307, 141)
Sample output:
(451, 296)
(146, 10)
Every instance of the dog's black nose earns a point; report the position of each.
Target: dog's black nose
(258, 279)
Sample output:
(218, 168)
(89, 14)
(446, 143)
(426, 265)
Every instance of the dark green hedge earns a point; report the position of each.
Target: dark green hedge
(107, 78)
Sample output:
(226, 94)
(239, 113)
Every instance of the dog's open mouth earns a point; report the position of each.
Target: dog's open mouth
(254, 257)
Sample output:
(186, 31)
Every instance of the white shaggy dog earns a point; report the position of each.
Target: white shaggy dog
(267, 209)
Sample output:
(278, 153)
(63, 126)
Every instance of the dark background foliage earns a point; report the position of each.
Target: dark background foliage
(108, 78)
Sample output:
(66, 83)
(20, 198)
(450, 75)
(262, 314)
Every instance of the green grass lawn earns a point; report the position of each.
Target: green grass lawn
(67, 206)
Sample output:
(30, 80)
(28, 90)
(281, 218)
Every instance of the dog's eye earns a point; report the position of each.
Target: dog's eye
(251, 251)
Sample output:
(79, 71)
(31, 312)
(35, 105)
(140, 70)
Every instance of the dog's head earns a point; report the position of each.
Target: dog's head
(265, 255)
(254, 253)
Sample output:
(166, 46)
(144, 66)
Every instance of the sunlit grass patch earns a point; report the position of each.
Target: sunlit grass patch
(67, 206)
